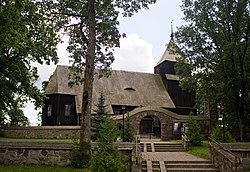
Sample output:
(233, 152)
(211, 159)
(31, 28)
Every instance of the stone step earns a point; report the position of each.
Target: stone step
(192, 169)
(189, 162)
(168, 147)
(190, 166)
(169, 150)
(193, 165)
(165, 147)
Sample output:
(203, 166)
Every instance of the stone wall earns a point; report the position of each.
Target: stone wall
(166, 118)
(223, 159)
(38, 152)
(59, 132)
(242, 150)
(237, 157)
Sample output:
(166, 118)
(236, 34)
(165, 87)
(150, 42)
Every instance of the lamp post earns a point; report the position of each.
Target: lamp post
(123, 129)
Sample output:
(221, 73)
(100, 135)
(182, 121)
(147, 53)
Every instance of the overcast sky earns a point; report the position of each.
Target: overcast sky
(147, 32)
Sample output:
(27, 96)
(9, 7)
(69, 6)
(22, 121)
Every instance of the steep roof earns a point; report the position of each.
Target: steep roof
(169, 53)
(121, 88)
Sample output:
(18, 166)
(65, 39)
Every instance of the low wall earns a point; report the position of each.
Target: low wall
(242, 150)
(228, 162)
(40, 152)
(222, 159)
(62, 132)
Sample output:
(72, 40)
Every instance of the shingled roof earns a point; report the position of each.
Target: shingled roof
(121, 88)
(169, 53)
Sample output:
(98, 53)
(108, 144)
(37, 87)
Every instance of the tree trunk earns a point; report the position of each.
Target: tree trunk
(85, 131)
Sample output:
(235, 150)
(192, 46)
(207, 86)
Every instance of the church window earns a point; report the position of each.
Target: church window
(49, 110)
(67, 110)
(129, 89)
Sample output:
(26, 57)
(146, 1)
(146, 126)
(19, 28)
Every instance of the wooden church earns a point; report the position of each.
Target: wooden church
(155, 102)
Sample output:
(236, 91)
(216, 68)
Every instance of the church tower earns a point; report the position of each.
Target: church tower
(183, 100)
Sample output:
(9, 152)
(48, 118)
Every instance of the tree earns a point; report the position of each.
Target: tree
(26, 36)
(98, 118)
(221, 135)
(92, 28)
(215, 42)
(194, 132)
(128, 134)
(107, 157)
(16, 117)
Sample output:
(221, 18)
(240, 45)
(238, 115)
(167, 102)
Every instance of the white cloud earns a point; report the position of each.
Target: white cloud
(134, 54)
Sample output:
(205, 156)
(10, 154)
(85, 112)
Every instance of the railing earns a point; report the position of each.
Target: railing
(185, 141)
(223, 158)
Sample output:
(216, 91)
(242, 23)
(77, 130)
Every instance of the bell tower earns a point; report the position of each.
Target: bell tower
(183, 100)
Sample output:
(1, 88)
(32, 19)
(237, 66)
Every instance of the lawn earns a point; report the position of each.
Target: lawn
(200, 151)
(38, 168)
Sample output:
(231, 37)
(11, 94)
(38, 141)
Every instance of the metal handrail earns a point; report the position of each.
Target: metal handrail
(237, 158)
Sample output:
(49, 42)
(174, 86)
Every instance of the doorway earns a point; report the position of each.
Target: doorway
(150, 125)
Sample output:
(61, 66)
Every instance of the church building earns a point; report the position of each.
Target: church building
(155, 102)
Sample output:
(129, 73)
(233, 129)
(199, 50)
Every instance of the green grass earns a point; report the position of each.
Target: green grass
(200, 151)
(38, 168)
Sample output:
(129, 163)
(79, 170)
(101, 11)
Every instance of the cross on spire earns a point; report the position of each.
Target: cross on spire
(172, 32)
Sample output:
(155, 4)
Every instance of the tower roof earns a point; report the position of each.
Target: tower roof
(169, 54)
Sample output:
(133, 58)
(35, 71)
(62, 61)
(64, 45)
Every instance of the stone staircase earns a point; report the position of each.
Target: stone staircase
(190, 166)
(168, 156)
(169, 147)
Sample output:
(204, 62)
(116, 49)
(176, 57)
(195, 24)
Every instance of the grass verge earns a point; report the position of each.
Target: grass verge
(200, 151)
(38, 168)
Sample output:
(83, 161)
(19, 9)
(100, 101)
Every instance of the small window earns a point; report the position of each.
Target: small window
(49, 110)
(129, 89)
(67, 110)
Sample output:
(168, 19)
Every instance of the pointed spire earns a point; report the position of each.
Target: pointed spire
(171, 46)
(172, 32)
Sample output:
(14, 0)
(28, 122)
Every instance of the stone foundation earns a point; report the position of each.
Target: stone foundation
(44, 152)
(37, 132)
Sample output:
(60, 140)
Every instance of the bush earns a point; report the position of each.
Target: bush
(81, 155)
(128, 134)
(194, 132)
(218, 135)
(106, 157)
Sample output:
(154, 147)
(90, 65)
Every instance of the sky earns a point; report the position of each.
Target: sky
(147, 33)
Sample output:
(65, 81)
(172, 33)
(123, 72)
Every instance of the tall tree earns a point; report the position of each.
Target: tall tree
(92, 28)
(216, 45)
(26, 36)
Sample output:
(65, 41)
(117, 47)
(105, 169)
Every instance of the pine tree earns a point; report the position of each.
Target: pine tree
(106, 157)
(194, 132)
(97, 118)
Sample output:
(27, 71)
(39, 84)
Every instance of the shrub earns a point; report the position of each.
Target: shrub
(218, 135)
(106, 157)
(128, 134)
(81, 155)
(194, 132)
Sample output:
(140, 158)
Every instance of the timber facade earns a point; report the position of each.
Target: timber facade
(156, 103)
